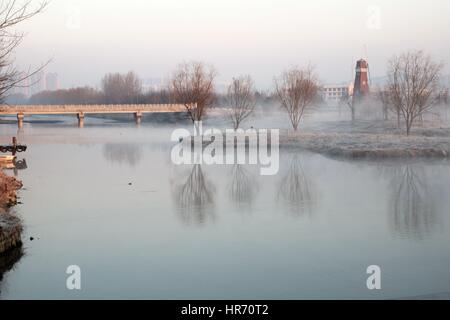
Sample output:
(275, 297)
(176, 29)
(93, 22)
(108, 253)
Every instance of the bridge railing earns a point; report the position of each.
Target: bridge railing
(101, 108)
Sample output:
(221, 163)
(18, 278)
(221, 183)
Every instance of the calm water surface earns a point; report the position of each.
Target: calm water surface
(220, 231)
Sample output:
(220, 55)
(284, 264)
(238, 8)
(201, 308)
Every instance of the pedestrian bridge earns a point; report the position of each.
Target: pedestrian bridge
(80, 110)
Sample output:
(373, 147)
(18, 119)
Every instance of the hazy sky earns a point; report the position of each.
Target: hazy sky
(87, 38)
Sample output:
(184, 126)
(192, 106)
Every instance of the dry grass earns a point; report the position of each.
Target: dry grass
(10, 226)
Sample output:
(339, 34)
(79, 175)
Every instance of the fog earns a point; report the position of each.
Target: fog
(87, 39)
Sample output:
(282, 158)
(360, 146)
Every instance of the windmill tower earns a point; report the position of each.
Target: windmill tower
(361, 87)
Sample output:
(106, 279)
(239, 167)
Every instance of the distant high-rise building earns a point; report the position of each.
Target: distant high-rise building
(21, 88)
(37, 83)
(361, 86)
(51, 82)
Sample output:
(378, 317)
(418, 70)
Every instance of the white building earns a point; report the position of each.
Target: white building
(334, 93)
(35, 83)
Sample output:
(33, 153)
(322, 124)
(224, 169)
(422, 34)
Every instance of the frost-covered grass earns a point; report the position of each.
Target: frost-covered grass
(369, 145)
(330, 131)
(371, 139)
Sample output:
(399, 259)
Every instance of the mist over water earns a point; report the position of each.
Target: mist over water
(108, 198)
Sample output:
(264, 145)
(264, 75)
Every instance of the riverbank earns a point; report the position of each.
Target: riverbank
(373, 146)
(10, 226)
(354, 144)
(8, 192)
(372, 139)
(326, 133)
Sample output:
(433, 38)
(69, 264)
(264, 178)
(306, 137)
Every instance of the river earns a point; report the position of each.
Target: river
(108, 199)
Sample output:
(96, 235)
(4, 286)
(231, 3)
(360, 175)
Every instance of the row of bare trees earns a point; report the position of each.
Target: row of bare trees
(80, 95)
(413, 88)
(193, 84)
(116, 88)
(121, 88)
(413, 82)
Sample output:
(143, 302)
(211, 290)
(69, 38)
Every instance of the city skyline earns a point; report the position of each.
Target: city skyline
(36, 83)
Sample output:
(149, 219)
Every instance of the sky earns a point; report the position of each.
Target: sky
(87, 38)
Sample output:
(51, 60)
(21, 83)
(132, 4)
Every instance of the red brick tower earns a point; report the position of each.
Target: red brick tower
(361, 88)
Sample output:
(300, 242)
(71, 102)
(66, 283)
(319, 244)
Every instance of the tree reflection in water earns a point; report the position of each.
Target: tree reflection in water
(129, 154)
(243, 186)
(195, 197)
(412, 206)
(7, 262)
(296, 189)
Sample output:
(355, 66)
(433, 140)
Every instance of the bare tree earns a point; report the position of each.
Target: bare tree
(296, 89)
(193, 85)
(241, 99)
(347, 100)
(413, 85)
(12, 13)
(383, 97)
(445, 95)
(121, 88)
(387, 105)
(394, 107)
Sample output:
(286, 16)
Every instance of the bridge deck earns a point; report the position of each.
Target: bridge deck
(86, 109)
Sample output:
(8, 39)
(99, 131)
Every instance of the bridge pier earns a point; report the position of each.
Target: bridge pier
(20, 117)
(80, 116)
(138, 117)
